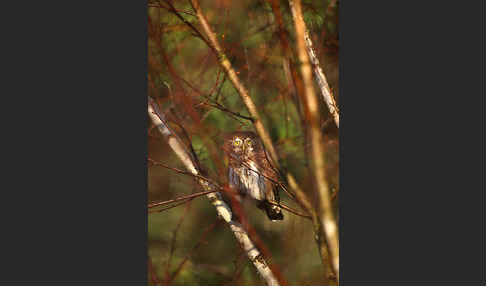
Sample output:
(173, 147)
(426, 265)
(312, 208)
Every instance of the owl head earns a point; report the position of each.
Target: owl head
(242, 144)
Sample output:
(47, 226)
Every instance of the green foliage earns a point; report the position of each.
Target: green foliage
(313, 19)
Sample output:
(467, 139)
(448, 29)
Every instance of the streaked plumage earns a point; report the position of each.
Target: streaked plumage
(250, 173)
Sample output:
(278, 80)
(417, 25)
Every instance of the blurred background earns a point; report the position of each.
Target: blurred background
(188, 244)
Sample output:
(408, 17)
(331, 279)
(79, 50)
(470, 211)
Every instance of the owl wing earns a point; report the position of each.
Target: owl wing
(271, 188)
(268, 171)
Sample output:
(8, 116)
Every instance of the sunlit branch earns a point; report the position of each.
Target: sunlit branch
(250, 105)
(321, 79)
(326, 216)
(215, 198)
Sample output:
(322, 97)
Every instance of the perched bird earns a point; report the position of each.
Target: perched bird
(249, 171)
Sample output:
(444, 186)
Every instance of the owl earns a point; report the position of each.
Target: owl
(249, 170)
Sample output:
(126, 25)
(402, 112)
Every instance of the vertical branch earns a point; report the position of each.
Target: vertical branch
(327, 216)
(319, 74)
(301, 196)
(215, 198)
(323, 220)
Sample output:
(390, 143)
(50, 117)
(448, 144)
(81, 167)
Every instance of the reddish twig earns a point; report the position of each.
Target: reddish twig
(198, 244)
(183, 172)
(153, 275)
(169, 207)
(173, 243)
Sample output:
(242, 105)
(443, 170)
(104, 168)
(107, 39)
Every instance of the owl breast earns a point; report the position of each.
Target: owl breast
(247, 181)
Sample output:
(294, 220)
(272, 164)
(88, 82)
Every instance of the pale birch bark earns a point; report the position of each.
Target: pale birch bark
(326, 217)
(222, 208)
(213, 43)
(321, 78)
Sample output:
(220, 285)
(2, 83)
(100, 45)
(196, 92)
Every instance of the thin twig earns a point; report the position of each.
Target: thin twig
(153, 275)
(250, 105)
(176, 13)
(159, 5)
(198, 244)
(173, 243)
(224, 109)
(215, 198)
(182, 198)
(300, 195)
(287, 208)
(226, 64)
(169, 207)
(183, 172)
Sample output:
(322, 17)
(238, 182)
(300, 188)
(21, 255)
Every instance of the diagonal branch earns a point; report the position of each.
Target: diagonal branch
(184, 172)
(215, 198)
(226, 64)
(318, 221)
(321, 78)
(169, 207)
(182, 198)
(189, 197)
(301, 196)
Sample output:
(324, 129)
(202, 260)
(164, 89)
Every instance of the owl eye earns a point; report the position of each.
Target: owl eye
(248, 142)
(237, 142)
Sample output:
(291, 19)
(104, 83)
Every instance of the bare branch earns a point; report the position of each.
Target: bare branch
(182, 198)
(184, 172)
(214, 45)
(153, 275)
(176, 13)
(169, 207)
(321, 79)
(198, 244)
(224, 109)
(327, 220)
(250, 105)
(226, 64)
(215, 198)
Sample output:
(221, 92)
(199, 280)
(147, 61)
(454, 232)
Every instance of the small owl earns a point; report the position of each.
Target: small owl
(247, 171)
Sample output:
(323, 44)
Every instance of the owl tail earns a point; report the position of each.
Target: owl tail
(274, 212)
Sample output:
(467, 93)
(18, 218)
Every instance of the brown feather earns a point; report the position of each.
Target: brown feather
(250, 171)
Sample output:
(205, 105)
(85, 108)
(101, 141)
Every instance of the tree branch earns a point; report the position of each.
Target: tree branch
(327, 220)
(300, 195)
(226, 64)
(302, 198)
(182, 198)
(321, 78)
(215, 198)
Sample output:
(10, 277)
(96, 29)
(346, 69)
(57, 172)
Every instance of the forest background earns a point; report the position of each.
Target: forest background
(188, 243)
